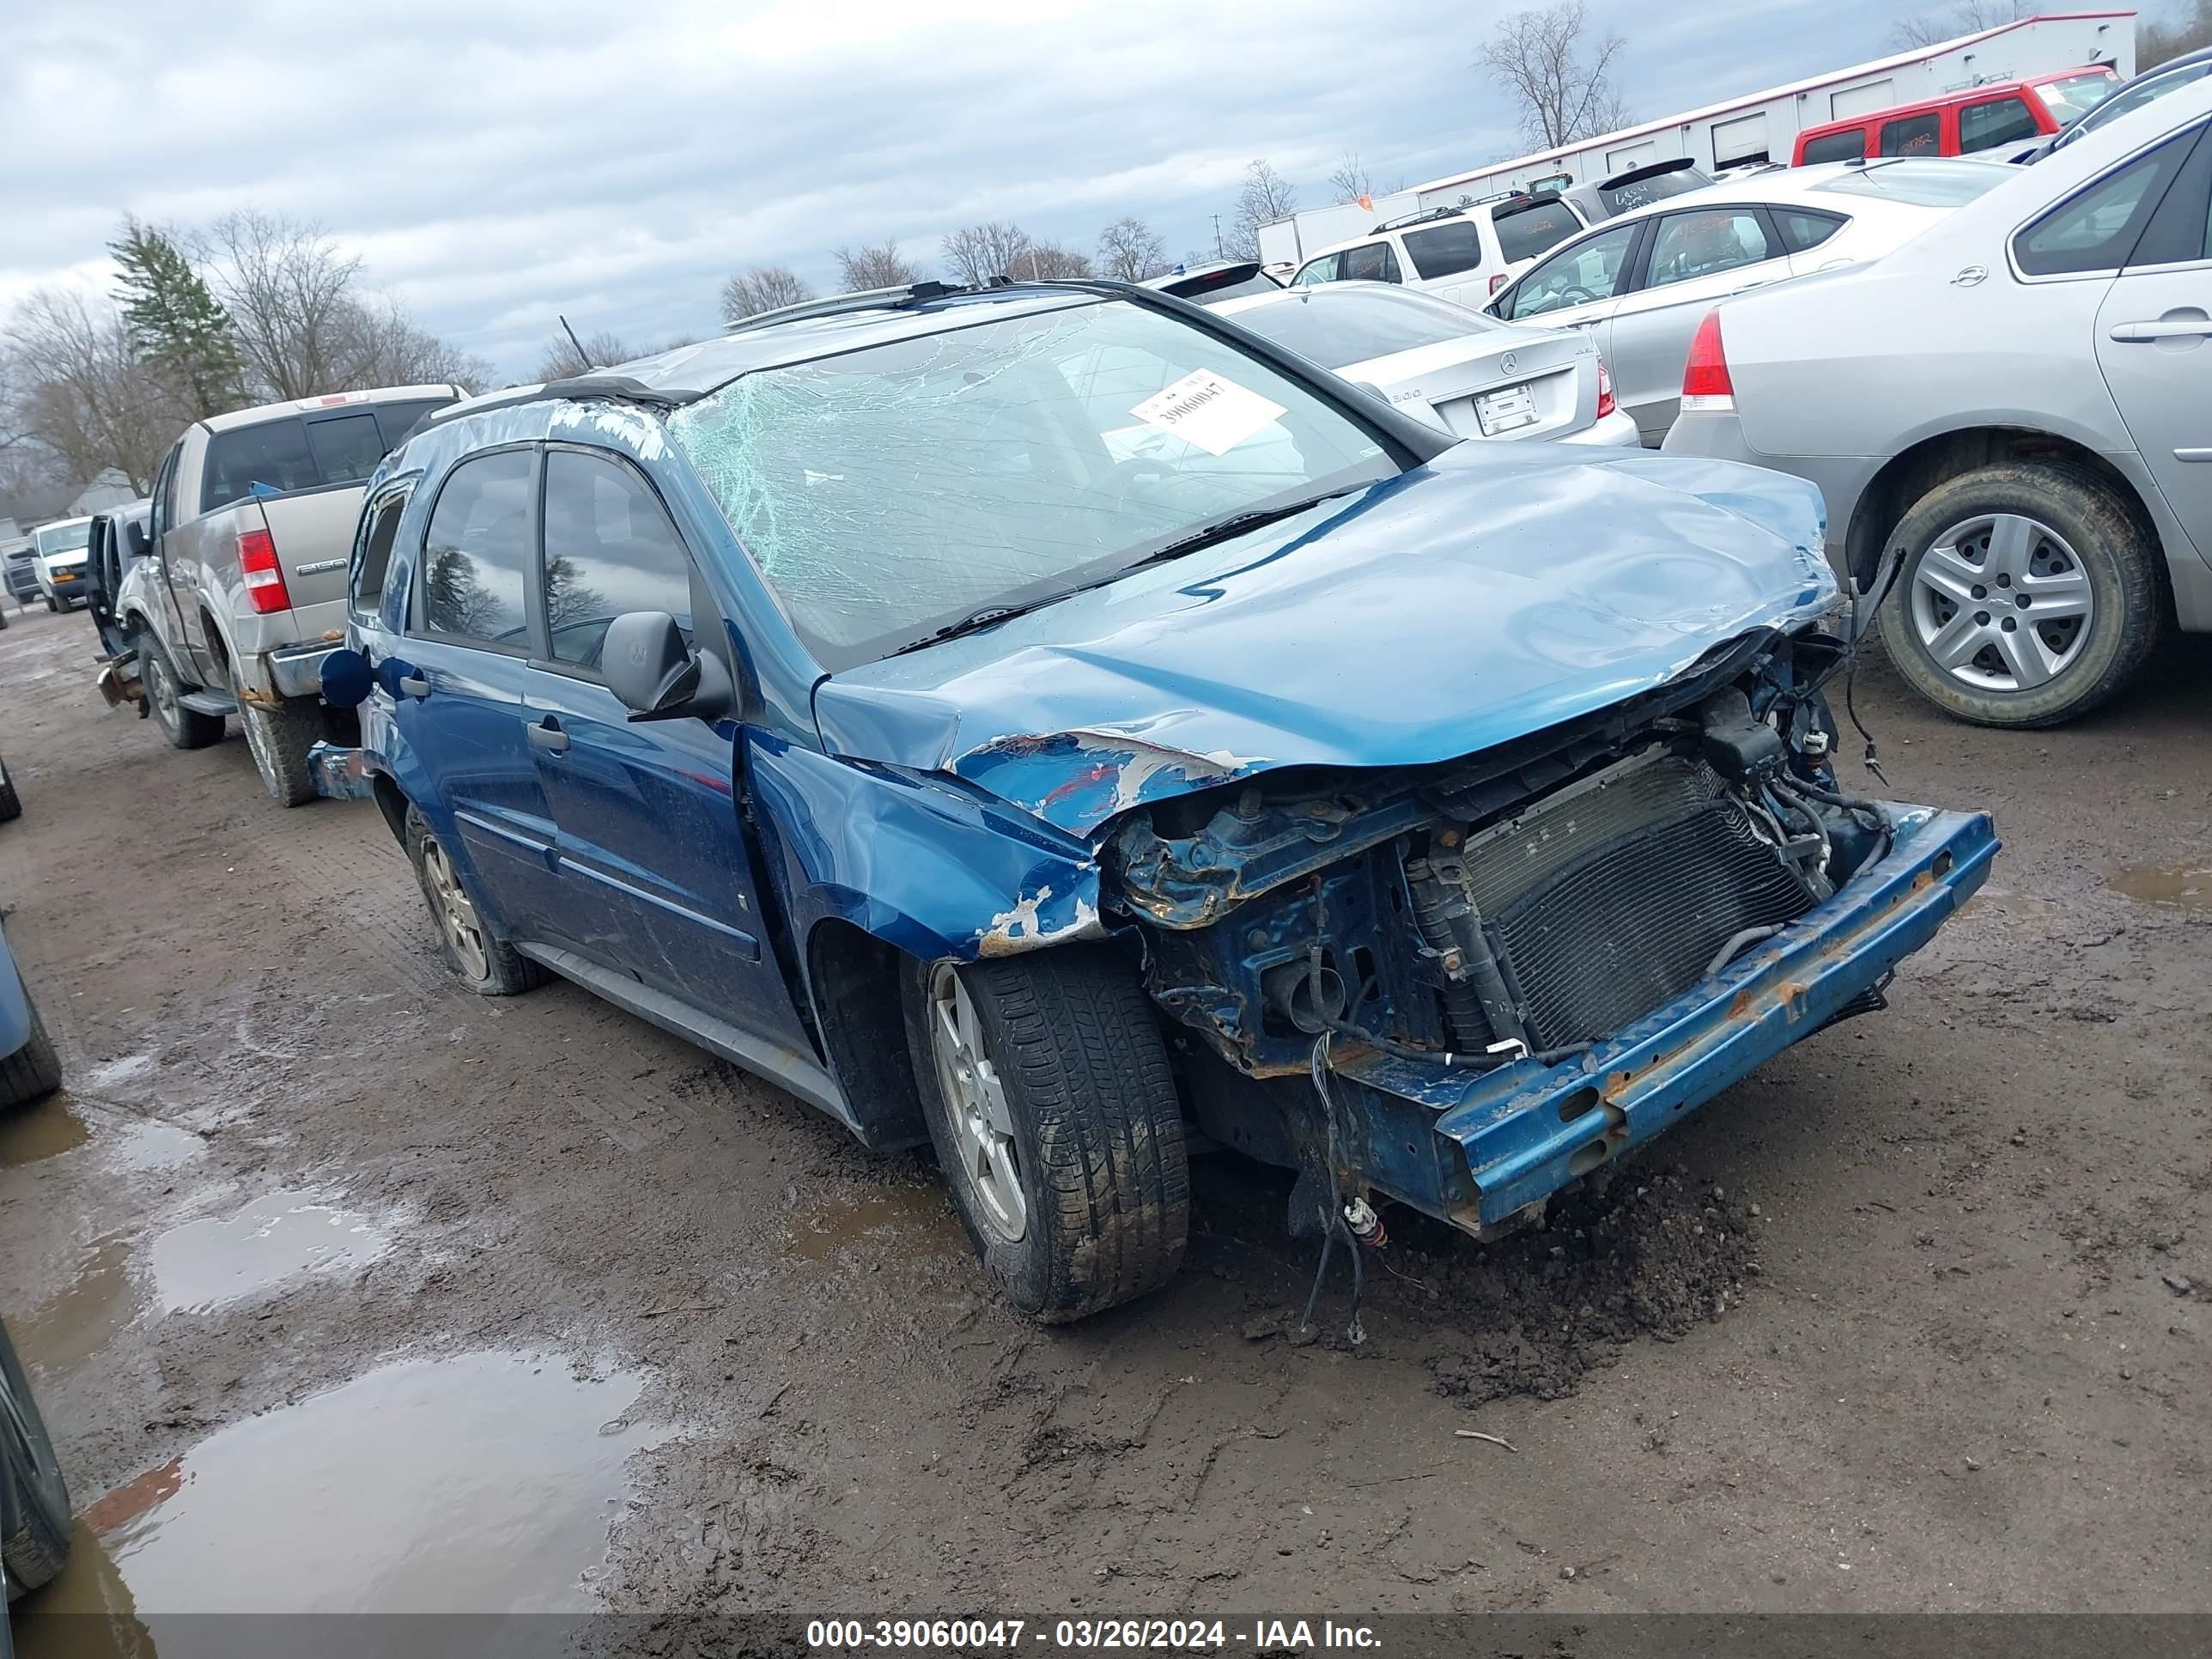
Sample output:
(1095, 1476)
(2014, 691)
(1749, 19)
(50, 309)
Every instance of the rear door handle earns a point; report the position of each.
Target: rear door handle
(415, 686)
(547, 734)
(2180, 328)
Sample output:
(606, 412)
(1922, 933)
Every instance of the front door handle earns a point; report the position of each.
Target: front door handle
(2180, 328)
(547, 734)
(415, 686)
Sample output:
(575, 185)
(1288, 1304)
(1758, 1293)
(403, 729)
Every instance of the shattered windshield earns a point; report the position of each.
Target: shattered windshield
(893, 491)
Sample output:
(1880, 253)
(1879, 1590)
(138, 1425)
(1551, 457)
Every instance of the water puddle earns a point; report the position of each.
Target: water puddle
(204, 1264)
(897, 1223)
(482, 1483)
(2187, 886)
(99, 1301)
(45, 1130)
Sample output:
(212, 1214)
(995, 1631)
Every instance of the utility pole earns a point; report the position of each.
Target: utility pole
(1217, 253)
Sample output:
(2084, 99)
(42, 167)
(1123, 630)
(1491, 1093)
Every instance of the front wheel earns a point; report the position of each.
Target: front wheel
(184, 728)
(33, 1071)
(2031, 594)
(1047, 1091)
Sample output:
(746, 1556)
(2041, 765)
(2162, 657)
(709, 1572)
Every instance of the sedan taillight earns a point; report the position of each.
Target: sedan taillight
(1606, 403)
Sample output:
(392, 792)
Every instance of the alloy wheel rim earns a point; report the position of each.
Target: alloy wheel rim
(2001, 602)
(456, 917)
(976, 1098)
(256, 741)
(165, 690)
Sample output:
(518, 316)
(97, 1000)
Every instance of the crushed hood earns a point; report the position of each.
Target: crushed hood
(1496, 591)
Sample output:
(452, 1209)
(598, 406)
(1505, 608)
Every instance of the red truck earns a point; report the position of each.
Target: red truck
(1990, 116)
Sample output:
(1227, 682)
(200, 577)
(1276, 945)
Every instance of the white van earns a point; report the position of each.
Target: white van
(1461, 253)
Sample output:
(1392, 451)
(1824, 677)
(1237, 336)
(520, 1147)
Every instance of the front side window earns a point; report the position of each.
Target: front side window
(1849, 145)
(1526, 232)
(1373, 262)
(2096, 229)
(1689, 245)
(1913, 135)
(163, 511)
(610, 547)
(1576, 275)
(1344, 326)
(476, 556)
(1444, 250)
(1322, 270)
(893, 491)
(1998, 121)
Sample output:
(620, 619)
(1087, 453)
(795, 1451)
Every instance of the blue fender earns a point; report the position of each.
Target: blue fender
(15, 1004)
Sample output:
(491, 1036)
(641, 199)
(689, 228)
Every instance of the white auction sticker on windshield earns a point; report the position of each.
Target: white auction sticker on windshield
(1207, 410)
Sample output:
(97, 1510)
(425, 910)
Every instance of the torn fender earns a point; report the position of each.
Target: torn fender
(918, 862)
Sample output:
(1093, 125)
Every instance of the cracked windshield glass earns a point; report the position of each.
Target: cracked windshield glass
(900, 489)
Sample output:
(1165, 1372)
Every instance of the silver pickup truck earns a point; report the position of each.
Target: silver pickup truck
(233, 593)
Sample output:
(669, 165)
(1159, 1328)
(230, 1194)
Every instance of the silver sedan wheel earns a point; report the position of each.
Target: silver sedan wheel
(975, 1099)
(2002, 603)
(456, 916)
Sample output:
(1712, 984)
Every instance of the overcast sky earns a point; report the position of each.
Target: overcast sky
(496, 161)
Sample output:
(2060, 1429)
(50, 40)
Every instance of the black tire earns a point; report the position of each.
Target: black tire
(11, 804)
(1097, 1133)
(498, 971)
(2113, 548)
(37, 1505)
(33, 1071)
(184, 728)
(51, 605)
(279, 739)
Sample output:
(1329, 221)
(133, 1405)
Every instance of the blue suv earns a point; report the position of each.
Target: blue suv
(1046, 719)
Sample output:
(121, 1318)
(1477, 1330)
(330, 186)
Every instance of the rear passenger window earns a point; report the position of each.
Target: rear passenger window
(1443, 250)
(2000, 121)
(476, 556)
(1800, 230)
(379, 527)
(274, 452)
(1527, 232)
(346, 447)
(1913, 135)
(610, 547)
(1374, 263)
(1689, 245)
(2096, 230)
(1837, 147)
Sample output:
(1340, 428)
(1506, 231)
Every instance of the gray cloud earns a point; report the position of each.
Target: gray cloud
(495, 163)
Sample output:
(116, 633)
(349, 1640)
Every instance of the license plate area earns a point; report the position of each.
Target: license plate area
(1506, 410)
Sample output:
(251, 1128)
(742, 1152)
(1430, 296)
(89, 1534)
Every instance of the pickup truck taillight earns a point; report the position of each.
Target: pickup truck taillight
(264, 577)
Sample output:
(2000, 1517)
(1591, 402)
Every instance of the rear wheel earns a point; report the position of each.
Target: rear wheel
(2032, 594)
(33, 1071)
(184, 728)
(479, 958)
(38, 1504)
(280, 739)
(1046, 1091)
(11, 804)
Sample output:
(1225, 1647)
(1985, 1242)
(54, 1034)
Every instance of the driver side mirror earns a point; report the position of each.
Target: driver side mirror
(135, 542)
(657, 677)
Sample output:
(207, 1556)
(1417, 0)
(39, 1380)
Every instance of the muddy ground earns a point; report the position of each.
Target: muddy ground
(343, 1288)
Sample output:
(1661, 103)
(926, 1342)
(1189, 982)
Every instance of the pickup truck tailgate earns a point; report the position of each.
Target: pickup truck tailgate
(313, 533)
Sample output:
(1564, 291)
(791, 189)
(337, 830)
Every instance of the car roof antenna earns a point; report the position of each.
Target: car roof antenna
(582, 355)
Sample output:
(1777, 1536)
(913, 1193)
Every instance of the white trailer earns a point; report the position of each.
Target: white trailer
(1761, 126)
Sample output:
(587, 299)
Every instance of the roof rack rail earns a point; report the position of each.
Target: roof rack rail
(611, 388)
(896, 298)
(1421, 217)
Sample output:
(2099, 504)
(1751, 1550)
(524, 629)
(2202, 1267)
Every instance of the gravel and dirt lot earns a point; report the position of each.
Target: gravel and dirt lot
(343, 1288)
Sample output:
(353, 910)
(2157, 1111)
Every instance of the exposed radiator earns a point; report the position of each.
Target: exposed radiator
(1610, 898)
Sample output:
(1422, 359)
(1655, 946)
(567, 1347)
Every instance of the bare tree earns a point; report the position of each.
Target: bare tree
(81, 394)
(1349, 181)
(761, 288)
(874, 264)
(287, 287)
(385, 346)
(1558, 74)
(1264, 197)
(562, 360)
(1964, 17)
(2191, 31)
(1046, 261)
(976, 254)
(1130, 250)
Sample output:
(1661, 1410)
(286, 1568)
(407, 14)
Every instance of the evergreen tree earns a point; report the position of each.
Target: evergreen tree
(179, 329)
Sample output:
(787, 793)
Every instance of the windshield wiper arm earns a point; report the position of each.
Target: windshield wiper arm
(1237, 524)
(975, 622)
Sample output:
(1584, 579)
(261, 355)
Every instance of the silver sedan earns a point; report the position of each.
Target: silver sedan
(2010, 418)
(1442, 364)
